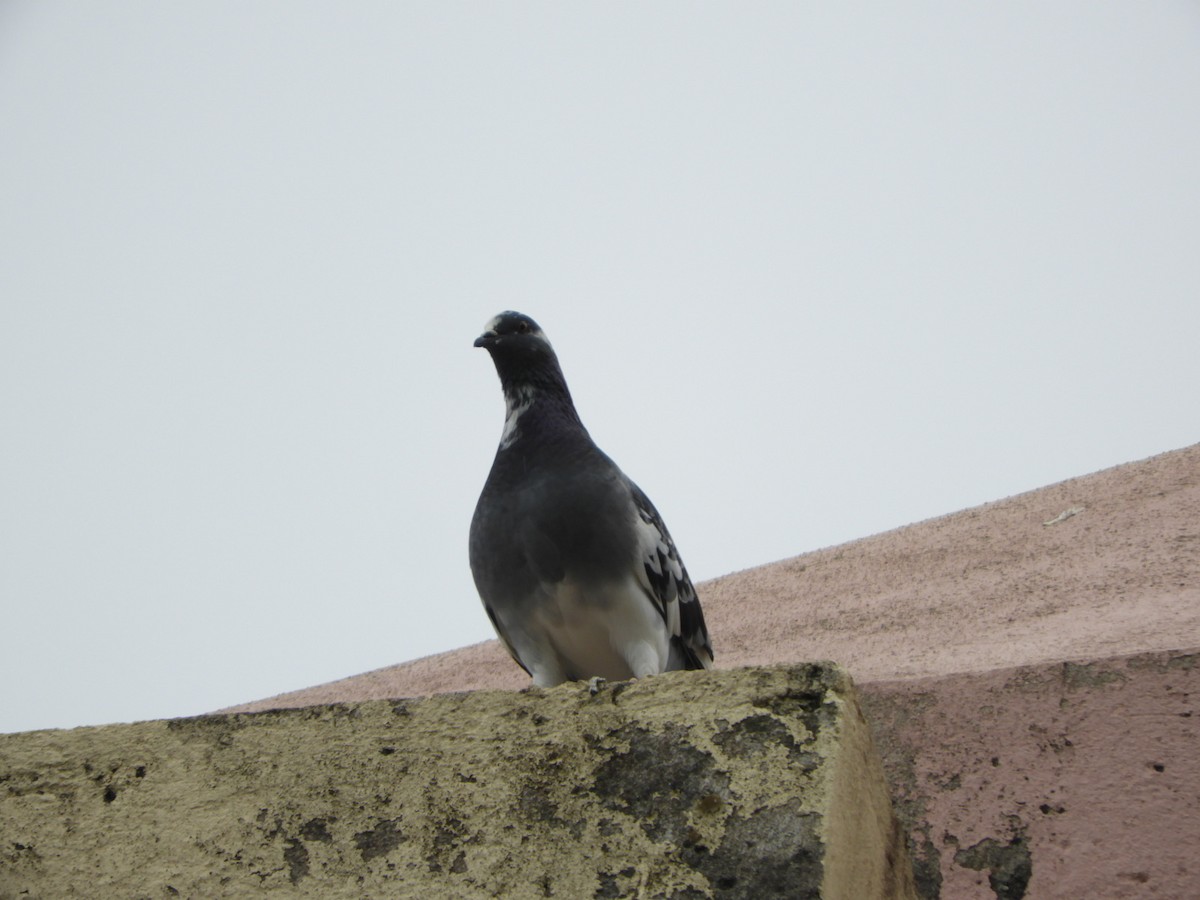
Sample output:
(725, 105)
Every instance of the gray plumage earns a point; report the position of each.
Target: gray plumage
(574, 565)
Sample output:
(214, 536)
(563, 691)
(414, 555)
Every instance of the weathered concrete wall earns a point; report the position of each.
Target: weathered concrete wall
(750, 783)
(1067, 780)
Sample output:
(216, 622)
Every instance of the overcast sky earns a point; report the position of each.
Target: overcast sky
(814, 271)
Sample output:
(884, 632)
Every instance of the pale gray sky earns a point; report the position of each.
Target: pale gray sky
(813, 270)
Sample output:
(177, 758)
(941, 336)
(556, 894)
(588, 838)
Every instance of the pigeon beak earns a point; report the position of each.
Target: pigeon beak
(486, 339)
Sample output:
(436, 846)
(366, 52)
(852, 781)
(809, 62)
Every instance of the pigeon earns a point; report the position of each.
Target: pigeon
(574, 565)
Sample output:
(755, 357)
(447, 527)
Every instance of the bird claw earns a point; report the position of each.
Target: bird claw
(595, 683)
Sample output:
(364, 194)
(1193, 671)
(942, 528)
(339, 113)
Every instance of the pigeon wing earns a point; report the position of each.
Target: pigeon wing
(666, 581)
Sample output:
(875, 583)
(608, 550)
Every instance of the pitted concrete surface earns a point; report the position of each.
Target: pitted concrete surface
(741, 784)
(1061, 780)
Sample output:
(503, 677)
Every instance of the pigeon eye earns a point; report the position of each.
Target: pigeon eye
(522, 328)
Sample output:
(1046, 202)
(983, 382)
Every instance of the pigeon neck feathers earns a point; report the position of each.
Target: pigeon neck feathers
(537, 401)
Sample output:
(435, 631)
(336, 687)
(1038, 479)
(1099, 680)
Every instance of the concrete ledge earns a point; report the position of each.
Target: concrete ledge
(750, 783)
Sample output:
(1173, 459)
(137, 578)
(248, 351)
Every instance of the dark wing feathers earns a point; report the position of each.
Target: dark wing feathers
(666, 580)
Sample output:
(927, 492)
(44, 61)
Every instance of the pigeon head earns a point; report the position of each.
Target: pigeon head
(520, 350)
(509, 332)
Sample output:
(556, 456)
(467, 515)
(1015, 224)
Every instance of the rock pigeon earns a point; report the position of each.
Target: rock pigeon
(574, 565)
